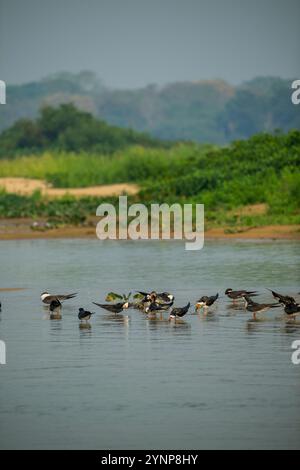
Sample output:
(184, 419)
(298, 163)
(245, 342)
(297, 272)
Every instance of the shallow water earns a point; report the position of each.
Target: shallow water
(215, 381)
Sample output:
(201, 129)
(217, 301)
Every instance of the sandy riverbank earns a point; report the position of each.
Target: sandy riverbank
(14, 229)
(27, 186)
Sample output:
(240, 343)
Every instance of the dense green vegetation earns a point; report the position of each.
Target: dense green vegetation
(68, 129)
(203, 111)
(135, 164)
(262, 169)
(66, 210)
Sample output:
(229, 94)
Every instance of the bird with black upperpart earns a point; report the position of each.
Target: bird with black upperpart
(206, 301)
(292, 309)
(283, 299)
(239, 294)
(84, 314)
(256, 308)
(114, 308)
(179, 312)
(156, 307)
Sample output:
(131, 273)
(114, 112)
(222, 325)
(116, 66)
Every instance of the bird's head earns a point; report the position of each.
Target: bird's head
(228, 290)
(201, 302)
(152, 295)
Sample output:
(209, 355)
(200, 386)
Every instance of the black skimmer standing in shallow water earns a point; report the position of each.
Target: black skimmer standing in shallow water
(256, 308)
(48, 298)
(291, 307)
(179, 312)
(84, 314)
(206, 301)
(238, 294)
(283, 299)
(114, 308)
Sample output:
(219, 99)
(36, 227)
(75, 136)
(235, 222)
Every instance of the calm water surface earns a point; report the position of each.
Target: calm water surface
(219, 381)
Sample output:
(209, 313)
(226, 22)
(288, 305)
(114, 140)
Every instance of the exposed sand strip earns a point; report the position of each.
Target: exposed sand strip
(27, 186)
(11, 289)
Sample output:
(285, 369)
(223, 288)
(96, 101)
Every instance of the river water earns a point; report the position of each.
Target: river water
(216, 381)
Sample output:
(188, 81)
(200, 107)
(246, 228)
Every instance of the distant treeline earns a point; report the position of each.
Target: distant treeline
(68, 129)
(203, 111)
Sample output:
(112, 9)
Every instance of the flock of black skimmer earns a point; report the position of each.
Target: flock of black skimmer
(152, 302)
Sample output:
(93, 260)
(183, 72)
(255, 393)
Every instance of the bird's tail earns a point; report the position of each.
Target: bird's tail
(99, 305)
(273, 293)
(70, 296)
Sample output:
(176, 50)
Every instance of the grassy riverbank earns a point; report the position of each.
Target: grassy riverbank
(232, 182)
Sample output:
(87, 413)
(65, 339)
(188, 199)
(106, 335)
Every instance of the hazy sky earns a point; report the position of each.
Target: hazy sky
(131, 43)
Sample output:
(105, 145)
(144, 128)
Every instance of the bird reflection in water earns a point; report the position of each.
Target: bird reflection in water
(117, 318)
(55, 316)
(85, 330)
(85, 326)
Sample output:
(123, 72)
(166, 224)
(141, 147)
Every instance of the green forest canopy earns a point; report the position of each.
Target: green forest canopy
(67, 128)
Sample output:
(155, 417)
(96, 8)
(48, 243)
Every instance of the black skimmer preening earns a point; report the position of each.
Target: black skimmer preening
(238, 294)
(206, 301)
(283, 299)
(114, 308)
(255, 308)
(48, 298)
(179, 312)
(153, 298)
(162, 297)
(145, 299)
(165, 297)
(84, 314)
(156, 307)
